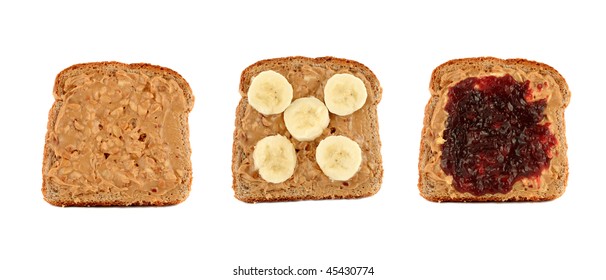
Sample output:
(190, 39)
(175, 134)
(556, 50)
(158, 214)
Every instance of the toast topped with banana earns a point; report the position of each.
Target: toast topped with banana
(307, 128)
(494, 131)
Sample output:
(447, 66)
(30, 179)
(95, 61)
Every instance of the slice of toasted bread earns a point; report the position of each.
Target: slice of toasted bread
(118, 135)
(308, 77)
(545, 83)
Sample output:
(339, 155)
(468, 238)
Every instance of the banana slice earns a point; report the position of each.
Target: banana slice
(306, 118)
(344, 94)
(275, 158)
(270, 93)
(339, 157)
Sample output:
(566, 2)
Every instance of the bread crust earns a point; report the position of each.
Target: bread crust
(242, 186)
(182, 192)
(484, 66)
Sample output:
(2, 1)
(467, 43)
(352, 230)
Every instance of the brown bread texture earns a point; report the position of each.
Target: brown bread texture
(307, 77)
(128, 180)
(433, 182)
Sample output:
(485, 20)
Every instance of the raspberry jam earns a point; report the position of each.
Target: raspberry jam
(494, 136)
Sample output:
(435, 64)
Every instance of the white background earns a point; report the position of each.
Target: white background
(396, 231)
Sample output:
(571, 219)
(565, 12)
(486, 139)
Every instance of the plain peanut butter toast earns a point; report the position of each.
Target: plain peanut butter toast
(118, 135)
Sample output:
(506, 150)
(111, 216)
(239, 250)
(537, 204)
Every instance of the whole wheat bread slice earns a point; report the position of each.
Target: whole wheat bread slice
(433, 182)
(118, 135)
(308, 77)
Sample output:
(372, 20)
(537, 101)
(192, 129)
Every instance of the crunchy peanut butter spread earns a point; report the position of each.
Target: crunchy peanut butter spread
(119, 134)
(549, 90)
(309, 80)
